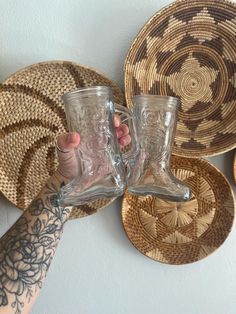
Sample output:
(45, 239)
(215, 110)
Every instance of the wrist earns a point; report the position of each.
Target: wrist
(50, 195)
(59, 178)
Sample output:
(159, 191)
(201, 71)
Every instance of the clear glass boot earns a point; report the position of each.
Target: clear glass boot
(155, 119)
(101, 170)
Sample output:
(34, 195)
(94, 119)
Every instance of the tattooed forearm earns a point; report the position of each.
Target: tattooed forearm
(27, 249)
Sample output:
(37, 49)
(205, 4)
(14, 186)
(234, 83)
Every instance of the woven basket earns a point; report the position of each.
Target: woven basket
(234, 167)
(188, 50)
(180, 233)
(32, 116)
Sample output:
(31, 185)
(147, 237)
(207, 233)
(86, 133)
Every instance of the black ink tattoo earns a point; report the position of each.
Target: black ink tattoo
(27, 249)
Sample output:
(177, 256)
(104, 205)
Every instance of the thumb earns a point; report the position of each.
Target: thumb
(66, 154)
(68, 141)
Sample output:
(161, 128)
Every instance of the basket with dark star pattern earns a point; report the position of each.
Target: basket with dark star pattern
(188, 50)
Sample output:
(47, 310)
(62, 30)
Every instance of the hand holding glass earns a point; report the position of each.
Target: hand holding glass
(90, 112)
(102, 173)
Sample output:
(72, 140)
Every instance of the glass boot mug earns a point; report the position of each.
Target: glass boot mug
(101, 170)
(155, 119)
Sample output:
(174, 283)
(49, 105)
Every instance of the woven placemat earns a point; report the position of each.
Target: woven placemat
(32, 115)
(234, 167)
(188, 50)
(180, 233)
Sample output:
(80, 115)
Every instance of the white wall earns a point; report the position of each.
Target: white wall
(96, 33)
(96, 269)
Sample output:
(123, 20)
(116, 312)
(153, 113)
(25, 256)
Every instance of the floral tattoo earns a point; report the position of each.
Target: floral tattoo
(27, 249)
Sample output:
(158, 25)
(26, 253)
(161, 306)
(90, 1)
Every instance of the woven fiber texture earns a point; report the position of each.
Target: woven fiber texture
(180, 233)
(188, 50)
(234, 167)
(32, 116)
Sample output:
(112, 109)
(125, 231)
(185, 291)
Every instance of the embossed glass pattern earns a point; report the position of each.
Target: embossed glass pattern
(155, 118)
(90, 111)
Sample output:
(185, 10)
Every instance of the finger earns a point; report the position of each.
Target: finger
(122, 130)
(68, 141)
(125, 140)
(66, 154)
(116, 120)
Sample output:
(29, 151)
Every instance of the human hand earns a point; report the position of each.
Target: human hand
(68, 164)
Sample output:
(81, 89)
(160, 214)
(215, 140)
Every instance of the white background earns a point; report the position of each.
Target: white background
(96, 269)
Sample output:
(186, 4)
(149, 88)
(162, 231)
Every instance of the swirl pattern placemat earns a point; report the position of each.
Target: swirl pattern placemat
(185, 232)
(188, 50)
(32, 115)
